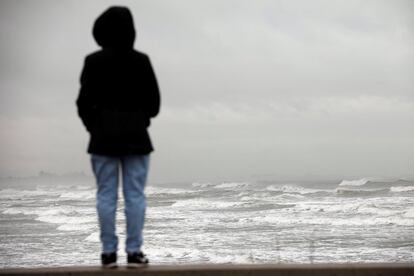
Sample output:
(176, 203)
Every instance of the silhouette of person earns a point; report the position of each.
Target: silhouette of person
(118, 96)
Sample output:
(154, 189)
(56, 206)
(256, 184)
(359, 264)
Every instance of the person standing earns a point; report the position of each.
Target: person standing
(118, 97)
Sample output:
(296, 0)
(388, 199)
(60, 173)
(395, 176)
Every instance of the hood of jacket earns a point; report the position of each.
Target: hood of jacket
(114, 28)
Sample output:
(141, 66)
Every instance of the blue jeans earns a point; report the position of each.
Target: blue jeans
(134, 175)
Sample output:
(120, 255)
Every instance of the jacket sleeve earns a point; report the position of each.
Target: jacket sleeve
(153, 106)
(85, 101)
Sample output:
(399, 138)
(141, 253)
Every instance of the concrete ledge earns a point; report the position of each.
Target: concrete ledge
(228, 270)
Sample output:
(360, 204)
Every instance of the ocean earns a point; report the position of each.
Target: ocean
(51, 221)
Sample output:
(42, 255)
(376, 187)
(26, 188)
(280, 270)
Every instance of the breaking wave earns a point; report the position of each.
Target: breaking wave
(401, 189)
(358, 192)
(295, 189)
(231, 185)
(357, 182)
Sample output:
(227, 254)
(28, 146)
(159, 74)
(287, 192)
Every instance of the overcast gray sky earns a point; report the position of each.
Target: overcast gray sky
(283, 88)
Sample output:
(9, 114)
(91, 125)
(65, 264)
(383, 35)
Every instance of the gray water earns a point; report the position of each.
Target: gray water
(51, 221)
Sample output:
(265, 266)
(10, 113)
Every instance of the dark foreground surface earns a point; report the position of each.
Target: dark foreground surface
(236, 270)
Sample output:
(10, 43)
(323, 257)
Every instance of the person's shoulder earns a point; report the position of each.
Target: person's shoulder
(140, 55)
(95, 55)
(94, 59)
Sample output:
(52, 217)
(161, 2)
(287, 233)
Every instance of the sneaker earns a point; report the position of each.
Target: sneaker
(137, 260)
(108, 260)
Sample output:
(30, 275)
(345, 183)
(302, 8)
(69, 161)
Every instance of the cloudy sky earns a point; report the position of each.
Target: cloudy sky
(290, 89)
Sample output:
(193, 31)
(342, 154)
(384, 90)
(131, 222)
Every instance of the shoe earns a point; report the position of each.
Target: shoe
(108, 260)
(137, 260)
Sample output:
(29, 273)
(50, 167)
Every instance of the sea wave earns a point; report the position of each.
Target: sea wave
(289, 197)
(23, 194)
(357, 182)
(59, 219)
(376, 182)
(231, 185)
(359, 192)
(199, 203)
(66, 216)
(195, 255)
(57, 210)
(76, 226)
(349, 208)
(94, 237)
(409, 213)
(401, 189)
(202, 184)
(79, 195)
(295, 189)
(153, 190)
(337, 221)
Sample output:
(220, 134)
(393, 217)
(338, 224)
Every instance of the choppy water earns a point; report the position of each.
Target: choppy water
(52, 222)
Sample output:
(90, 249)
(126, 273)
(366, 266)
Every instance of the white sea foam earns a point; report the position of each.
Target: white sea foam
(349, 208)
(409, 213)
(373, 221)
(175, 253)
(353, 191)
(60, 219)
(199, 203)
(202, 184)
(66, 187)
(85, 187)
(338, 221)
(12, 211)
(365, 180)
(68, 218)
(78, 195)
(379, 212)
(152, 190)
(254, 196)
(228, 256)
(94, 237)
(357, 182)
(288, 197)
(248, 198)
(295, 189)
(56, 210)
(23, 194)
(76, 227)
(401, 189)
(231, 185)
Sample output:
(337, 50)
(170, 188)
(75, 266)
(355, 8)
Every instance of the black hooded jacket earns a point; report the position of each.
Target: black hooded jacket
(119, 91)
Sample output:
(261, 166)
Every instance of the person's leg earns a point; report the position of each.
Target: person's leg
(106, 171)
(134, 176)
